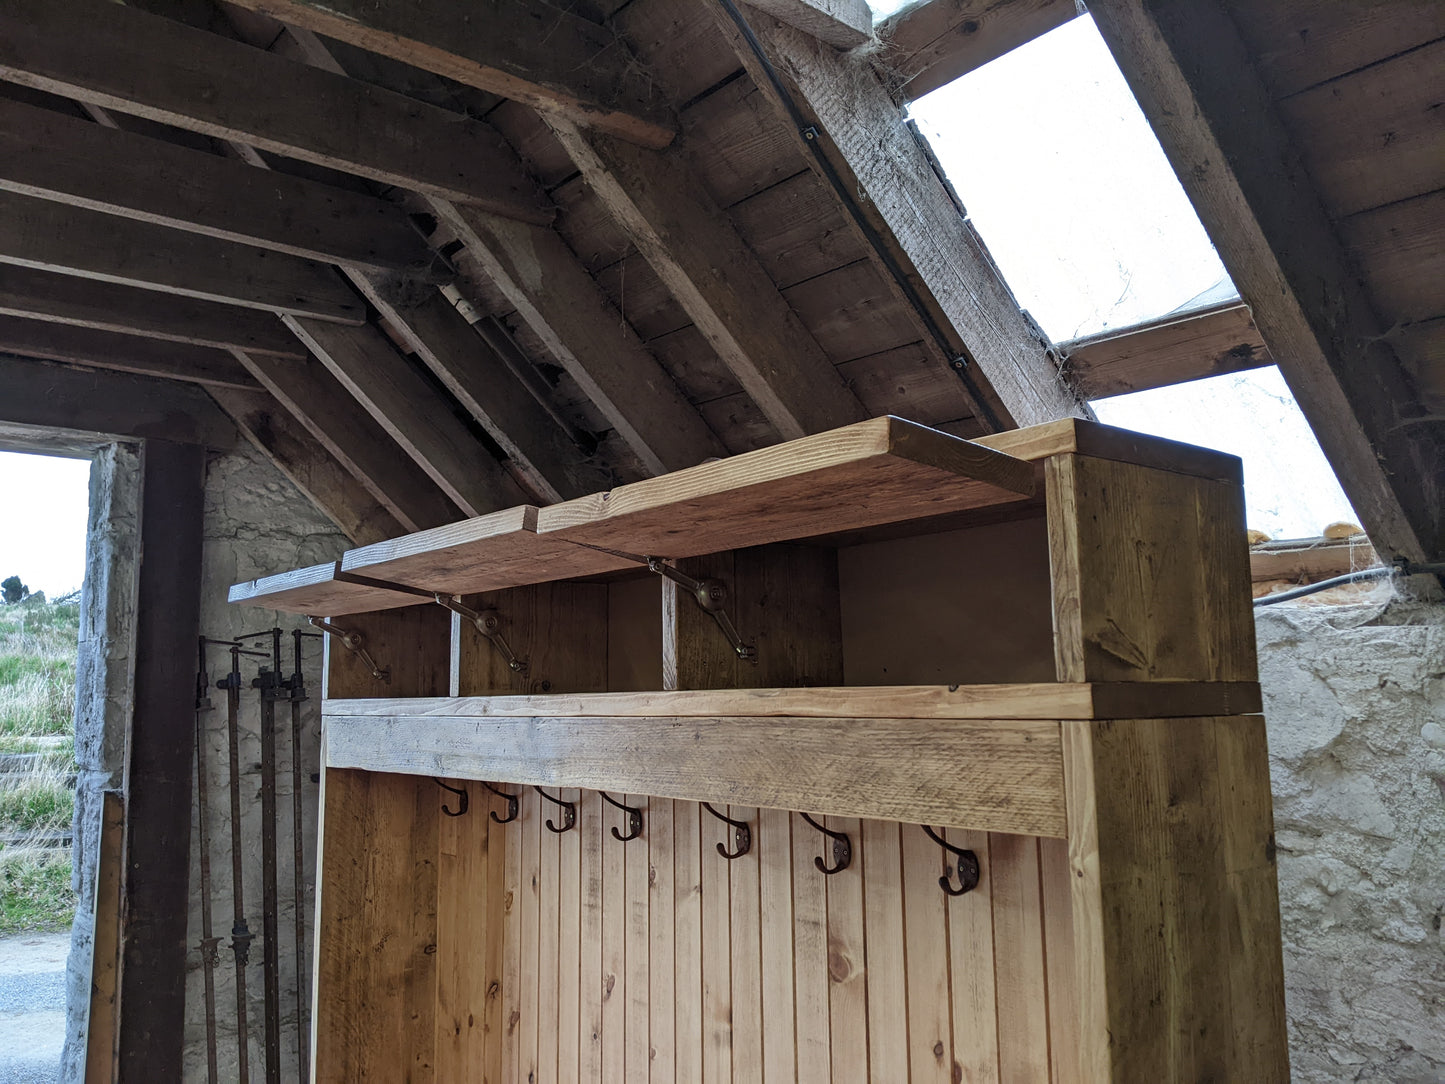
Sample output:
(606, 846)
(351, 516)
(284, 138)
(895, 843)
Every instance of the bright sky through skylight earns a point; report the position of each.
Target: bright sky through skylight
(44, 506)
(1064, 179)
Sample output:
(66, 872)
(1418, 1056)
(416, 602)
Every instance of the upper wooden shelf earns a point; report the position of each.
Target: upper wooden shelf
(881, 471)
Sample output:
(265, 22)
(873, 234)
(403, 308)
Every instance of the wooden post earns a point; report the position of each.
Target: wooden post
(159, 755)
(103, 1021)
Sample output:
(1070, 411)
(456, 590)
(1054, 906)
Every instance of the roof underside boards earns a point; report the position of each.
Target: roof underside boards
(619, 344)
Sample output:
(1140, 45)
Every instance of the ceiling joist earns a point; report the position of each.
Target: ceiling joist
(94, 349)
(46, 236)
(119, 58)
(527, 50)
(44, 295)
(83, 164)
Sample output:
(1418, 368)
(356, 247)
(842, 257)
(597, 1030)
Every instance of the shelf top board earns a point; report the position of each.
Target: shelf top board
(321, 590)
(885, 470)
(487, 553)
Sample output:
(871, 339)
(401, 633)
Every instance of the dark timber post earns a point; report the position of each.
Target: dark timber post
(159, 757)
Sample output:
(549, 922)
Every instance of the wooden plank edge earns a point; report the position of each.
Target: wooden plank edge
(1076, 435)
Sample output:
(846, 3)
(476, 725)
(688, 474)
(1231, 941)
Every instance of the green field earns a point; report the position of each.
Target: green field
(37, 701)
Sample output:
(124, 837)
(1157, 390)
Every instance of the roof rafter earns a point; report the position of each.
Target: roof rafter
(530, 51)
(1195, 80)
(117, 57)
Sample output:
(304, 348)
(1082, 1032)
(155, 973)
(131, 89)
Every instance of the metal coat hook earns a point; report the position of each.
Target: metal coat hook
(842, 849)
(460, 792)
(512, 811)
(569, 812)
(742, 835)
(634, 818)
(967, 866)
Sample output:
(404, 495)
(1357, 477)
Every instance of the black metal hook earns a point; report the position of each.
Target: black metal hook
(742, 835)
(569, 812)
(460, 792)
(967, 866)
(842, 849)
(634, 818)
(512, 811)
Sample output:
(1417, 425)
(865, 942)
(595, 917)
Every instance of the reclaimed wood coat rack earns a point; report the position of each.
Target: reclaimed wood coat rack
(1037, 646)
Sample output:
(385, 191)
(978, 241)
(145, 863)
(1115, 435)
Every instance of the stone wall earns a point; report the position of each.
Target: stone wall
(1355, 698)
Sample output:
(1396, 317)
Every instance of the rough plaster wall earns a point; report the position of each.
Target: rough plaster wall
(1355, 700)
(104, 673)
(256, 523)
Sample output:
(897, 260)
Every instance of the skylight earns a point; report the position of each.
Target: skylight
(1067, 184)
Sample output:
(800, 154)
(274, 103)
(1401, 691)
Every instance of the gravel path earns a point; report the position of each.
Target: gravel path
(32, 1007)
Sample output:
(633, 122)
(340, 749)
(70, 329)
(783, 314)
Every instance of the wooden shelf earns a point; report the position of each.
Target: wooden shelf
(320, 590)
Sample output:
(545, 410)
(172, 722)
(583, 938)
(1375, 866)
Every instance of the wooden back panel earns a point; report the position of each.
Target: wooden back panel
(659, 960)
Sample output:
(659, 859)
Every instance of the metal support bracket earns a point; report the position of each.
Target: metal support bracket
(711, 597)
(489, 624)
(355, 643)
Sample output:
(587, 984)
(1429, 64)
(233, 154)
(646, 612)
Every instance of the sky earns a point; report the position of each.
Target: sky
(44, 505)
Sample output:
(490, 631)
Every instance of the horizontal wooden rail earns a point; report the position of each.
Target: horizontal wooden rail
(1035, 700)
(995, 775)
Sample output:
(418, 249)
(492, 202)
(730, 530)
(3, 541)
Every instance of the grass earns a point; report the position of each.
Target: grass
(35, 895)
(37, 704)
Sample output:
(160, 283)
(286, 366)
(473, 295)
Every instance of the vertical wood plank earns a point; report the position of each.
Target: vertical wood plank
(375, 991)
(614, 955)
(528, 1031)
(886, 968)
(930, 1055)
(105, 947)
(745, 922)
(847, 973)
(687, 947)
(1059, 961)
(637, 1011)
(500, 849)
(775, 891)
(717, 1032)
(569, 947)
(548, 984)
(512, 944)
(591, 983)
(971, 966)
(1023, 1024)
(661, 931)
(811, 961)
(463, 893)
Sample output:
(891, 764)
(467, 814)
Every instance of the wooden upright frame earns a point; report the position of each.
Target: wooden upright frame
(1041, 641)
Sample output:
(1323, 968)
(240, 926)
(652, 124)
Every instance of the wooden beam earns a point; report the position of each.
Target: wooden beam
(120, 58)
(1171, 350)
(48, 236)
(160, 753)
(94, 349)
(83, 164)
(863, 134)
(329, 413)
(477, 376)
(302, 459)
(851, 767)
(40, 394)
(844, 24)
(930, 44)
(413, 412)
(565, 308)
(526, 50)
(717, 279)
(1195, 80)
(64, 299)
